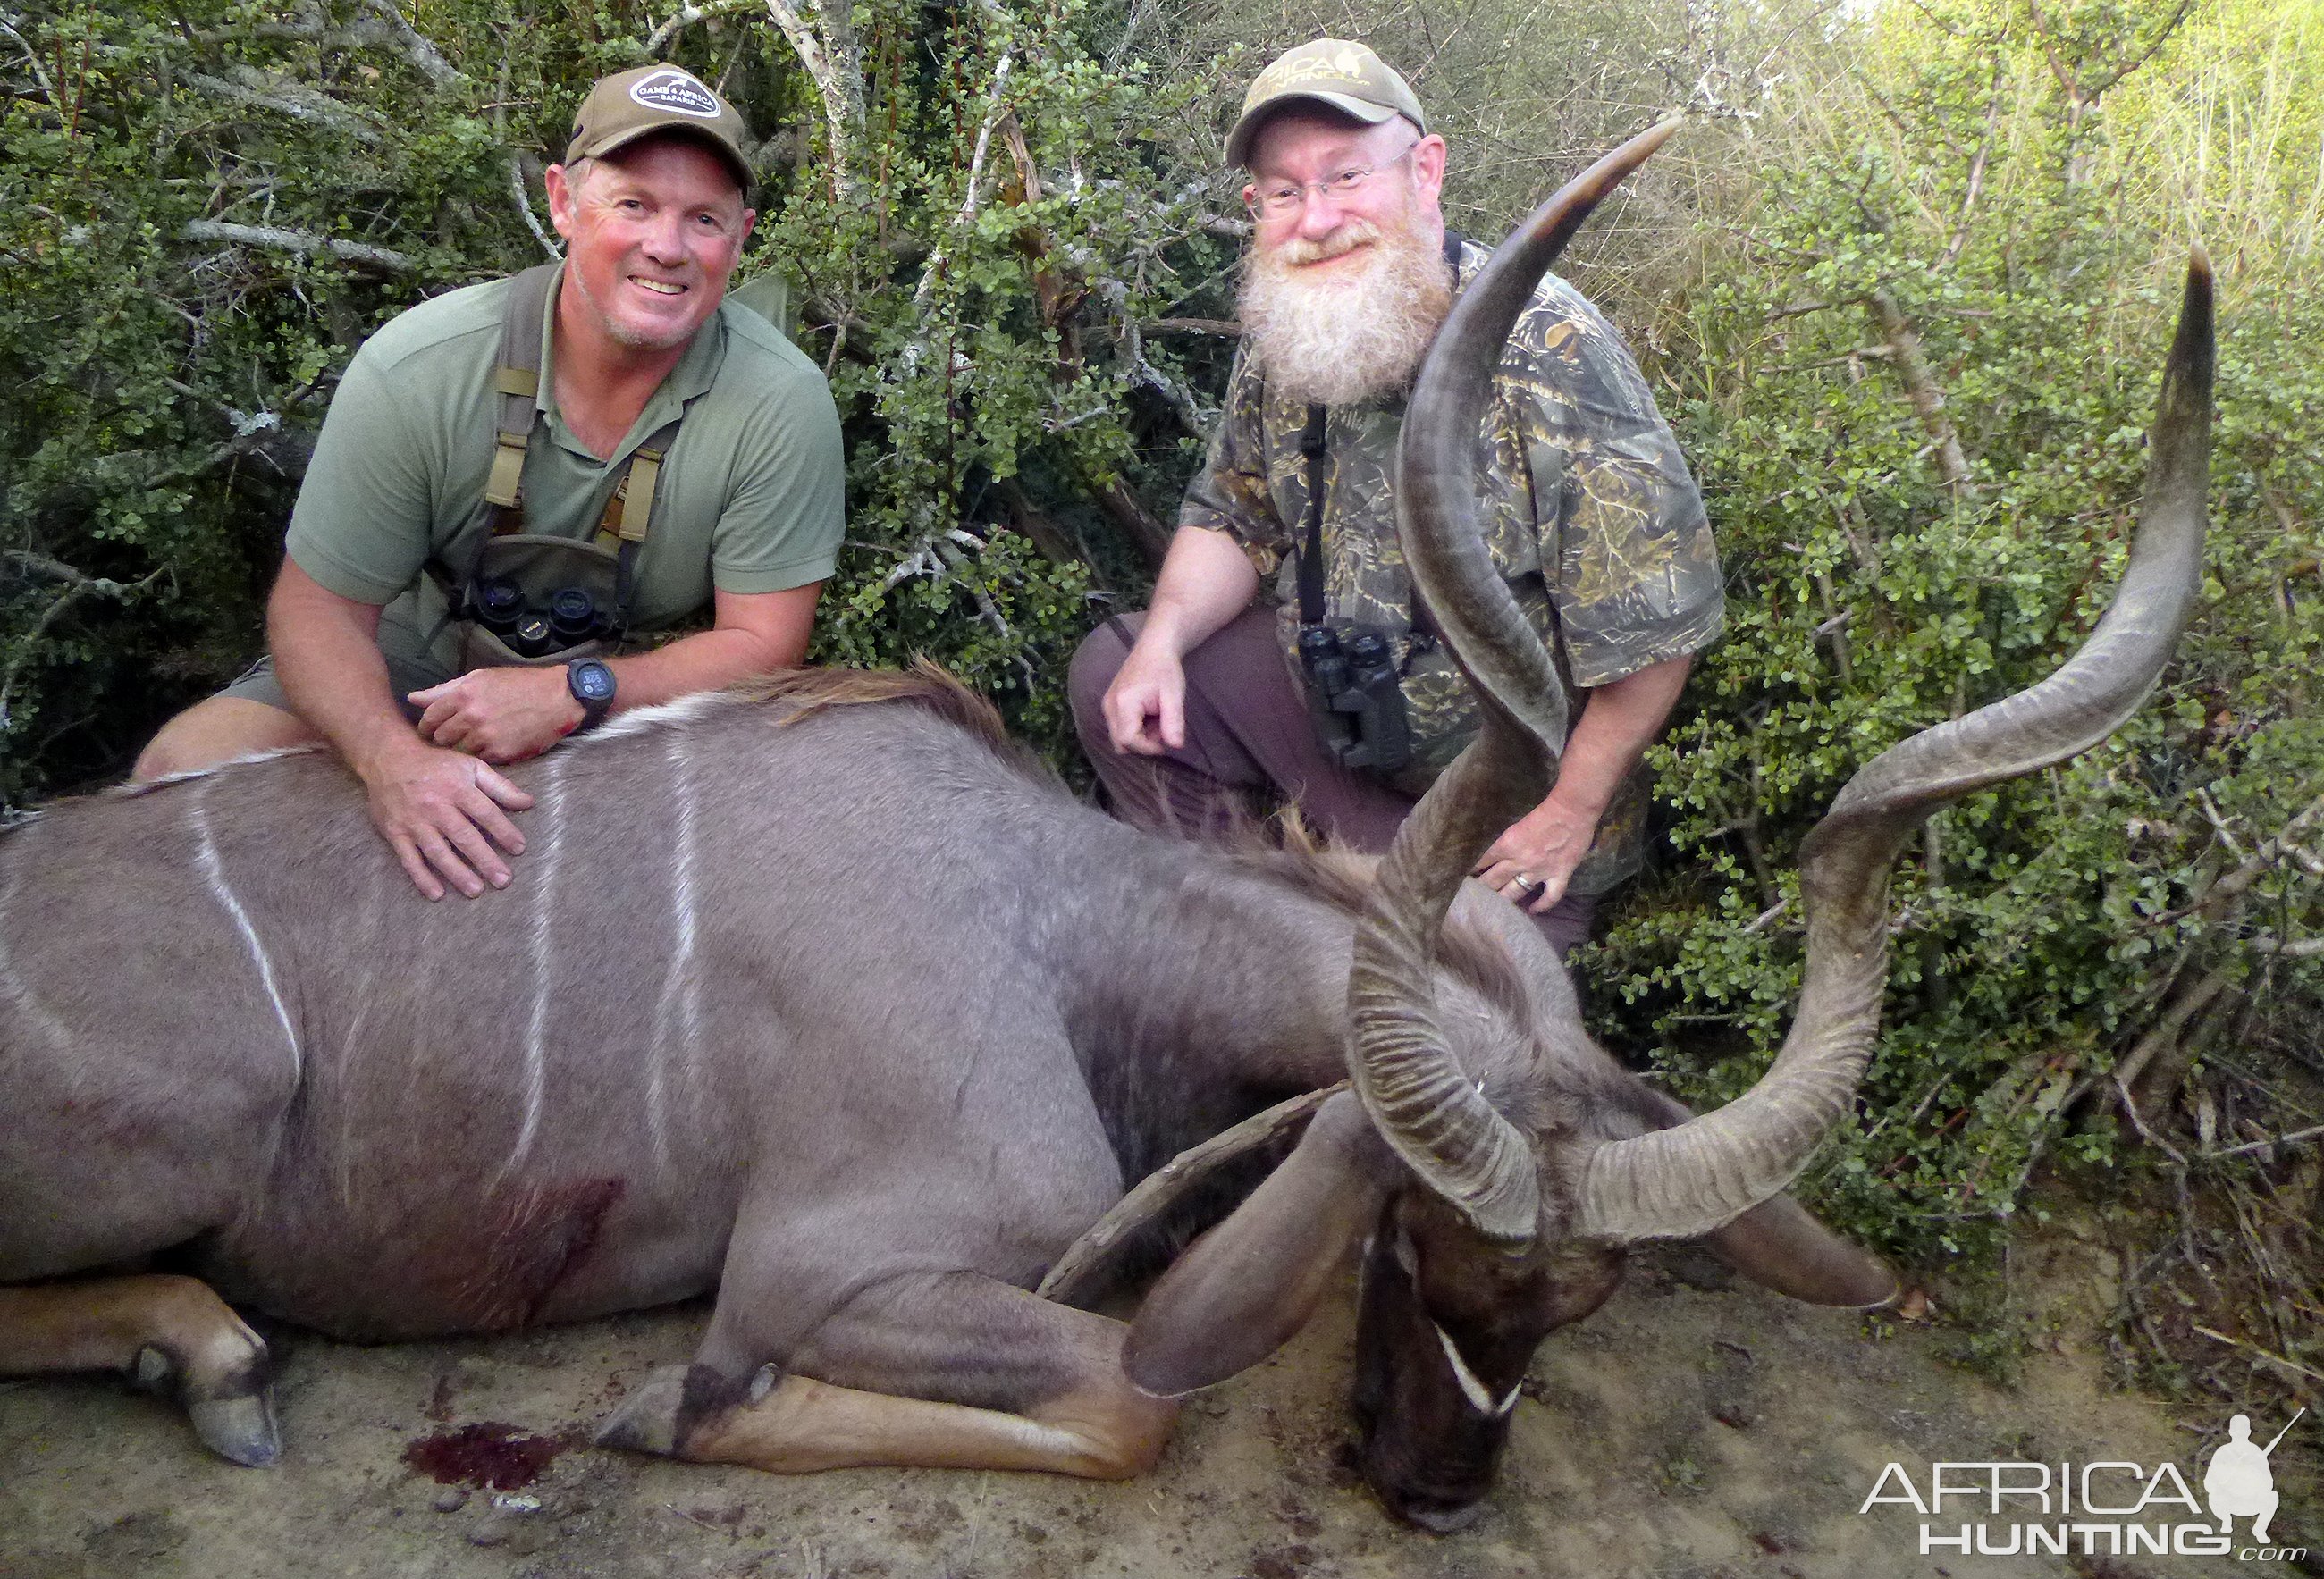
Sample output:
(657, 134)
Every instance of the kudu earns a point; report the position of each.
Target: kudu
(846, 1012)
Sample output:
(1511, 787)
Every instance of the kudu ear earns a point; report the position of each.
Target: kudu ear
(1245, 1287)
(1778, 1243)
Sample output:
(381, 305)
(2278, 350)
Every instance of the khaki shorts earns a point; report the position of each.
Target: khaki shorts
(404, 675)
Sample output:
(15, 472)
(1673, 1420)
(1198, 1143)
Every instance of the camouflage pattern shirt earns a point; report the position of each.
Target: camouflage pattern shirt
(1587, 506)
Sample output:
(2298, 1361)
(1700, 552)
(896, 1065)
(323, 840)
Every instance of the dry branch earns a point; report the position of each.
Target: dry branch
(1977, 166)
(523, 201)
(303, 242)
(1225, 328)
(2260, 862)
(2165, 1041)
(285, 99)
(414, 46)
(1920, 388)
(832, 64)
(659, 40)
(32, 59)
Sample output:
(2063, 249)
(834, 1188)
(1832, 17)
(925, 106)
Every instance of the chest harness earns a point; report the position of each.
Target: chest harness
(537, 598)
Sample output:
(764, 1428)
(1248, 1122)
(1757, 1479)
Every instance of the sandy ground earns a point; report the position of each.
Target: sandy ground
(1695, 1427)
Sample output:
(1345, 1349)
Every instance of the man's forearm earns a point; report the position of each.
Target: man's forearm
(703, 661)
(1619, 722)
(1205, 581)
(327, 659)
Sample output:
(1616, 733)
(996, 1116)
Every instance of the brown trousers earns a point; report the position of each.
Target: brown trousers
(1250, 744)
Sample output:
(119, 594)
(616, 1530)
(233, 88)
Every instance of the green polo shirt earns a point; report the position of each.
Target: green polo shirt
(749, 499)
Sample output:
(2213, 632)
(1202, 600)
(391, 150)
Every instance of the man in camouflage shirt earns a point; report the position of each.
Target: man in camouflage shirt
(1585, 501)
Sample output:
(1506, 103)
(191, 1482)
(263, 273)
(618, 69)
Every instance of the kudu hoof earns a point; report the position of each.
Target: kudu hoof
(670, 1406)
(235, 1416)
(648, 1419)
(240, 1428)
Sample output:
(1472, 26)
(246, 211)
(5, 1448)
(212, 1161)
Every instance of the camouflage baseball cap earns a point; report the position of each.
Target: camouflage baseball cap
(650, 99)
(1341, 74)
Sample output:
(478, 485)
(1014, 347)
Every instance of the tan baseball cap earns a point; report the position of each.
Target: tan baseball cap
(1339, 74)
(651, 99)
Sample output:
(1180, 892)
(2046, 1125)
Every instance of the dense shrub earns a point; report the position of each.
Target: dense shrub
(208, 206)
(1970, 211)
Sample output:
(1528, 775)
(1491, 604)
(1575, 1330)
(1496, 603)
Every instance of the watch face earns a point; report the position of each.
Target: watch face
(593, 683)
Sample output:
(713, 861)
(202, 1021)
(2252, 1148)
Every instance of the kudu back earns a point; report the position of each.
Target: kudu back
(823, 997)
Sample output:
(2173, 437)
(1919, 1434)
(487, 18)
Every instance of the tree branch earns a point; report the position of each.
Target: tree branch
(305, 243)
(2258, 864)
(996, 111)
(1976, 165)
(2166, 1040)
(414, 45)
(42, 564)
(2075, 101)
(77, 585)
(1055, 543)
(1225, 328)
(32, 59)
(1920, 388)
(300, 104)
(2161, 36)
(1147, 534)
(659, 40)
(832, 64)
(523, 201)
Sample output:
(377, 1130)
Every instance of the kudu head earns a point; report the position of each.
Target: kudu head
(1495, 1188)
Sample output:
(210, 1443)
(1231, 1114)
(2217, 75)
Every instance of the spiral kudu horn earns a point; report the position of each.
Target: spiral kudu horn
(1692, 1179)
(1435, 1120)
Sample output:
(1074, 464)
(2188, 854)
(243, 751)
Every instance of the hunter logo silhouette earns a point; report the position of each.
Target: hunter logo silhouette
(2239, 1483)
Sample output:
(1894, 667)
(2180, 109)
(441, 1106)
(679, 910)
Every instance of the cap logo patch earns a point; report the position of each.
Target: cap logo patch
(1339, 66)
(673, 90)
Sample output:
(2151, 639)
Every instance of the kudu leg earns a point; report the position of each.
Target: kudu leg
(1047, 1381)
(160, 1330)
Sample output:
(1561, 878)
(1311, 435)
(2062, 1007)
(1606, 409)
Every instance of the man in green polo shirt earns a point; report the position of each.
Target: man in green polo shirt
(365, 647)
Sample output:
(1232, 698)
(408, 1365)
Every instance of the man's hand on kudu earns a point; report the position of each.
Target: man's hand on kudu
(443, 813)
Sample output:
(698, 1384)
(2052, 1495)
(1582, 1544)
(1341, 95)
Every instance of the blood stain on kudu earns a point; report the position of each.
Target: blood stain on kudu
(540, 1236)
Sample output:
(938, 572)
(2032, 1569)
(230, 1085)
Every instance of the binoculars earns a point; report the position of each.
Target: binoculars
(571, 617)
(1355, 697)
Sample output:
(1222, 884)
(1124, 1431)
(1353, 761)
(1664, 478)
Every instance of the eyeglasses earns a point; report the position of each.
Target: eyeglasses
(1285, 198)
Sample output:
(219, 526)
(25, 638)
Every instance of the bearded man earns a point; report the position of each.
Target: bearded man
(517, 477)
(1586, 505)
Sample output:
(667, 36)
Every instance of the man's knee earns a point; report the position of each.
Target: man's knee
(218, 730)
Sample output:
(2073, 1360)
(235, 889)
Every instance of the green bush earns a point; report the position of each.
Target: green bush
(208, 206)
(1950, 223)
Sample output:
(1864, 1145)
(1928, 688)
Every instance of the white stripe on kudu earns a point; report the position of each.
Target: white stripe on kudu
(1471, 1388)
(678, 989)
(550, 804)
(206, 854)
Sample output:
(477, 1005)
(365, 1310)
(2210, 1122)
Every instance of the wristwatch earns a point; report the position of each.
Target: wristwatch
(592, 685)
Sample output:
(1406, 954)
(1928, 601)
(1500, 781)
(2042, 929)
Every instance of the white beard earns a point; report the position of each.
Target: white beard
(1352, 335)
